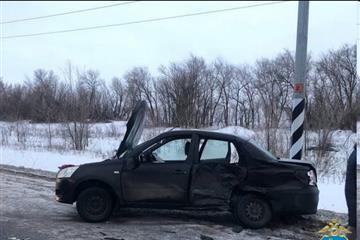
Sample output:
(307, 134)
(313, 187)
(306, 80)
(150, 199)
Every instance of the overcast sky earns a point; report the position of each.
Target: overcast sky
(239, 36)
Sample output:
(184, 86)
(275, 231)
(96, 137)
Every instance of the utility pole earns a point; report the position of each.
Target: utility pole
(298, 99)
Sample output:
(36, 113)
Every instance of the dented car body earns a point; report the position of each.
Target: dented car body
(191, 169)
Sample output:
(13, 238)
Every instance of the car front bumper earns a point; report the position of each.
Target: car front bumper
(64, 190)
(302, 201)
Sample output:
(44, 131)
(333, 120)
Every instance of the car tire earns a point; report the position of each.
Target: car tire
(94, 204)
(252, 211)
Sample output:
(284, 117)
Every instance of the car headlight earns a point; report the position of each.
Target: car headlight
(312, 177)
(66, 172)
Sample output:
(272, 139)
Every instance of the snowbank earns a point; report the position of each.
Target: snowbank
(332, 197)
(239, 131)
(44, 160)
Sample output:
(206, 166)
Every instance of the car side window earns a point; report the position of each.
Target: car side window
(174, 150)
(214, 149)
(218, 150)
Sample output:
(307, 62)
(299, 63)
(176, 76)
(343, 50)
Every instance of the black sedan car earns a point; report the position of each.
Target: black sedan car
(190, 169)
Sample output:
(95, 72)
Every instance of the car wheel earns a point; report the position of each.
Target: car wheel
(252, 211)
(94, 204)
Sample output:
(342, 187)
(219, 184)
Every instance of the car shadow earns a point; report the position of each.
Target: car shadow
(149, 217)
(202, 217)
(174, 216)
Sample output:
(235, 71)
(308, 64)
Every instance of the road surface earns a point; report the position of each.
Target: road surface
(29, 211)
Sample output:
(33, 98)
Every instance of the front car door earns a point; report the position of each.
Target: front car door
(163, 174)
(219, 168)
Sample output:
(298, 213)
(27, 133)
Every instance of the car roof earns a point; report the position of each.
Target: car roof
(205, 133)
(202, 133)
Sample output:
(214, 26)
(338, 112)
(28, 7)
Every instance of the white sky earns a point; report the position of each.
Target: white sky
(239, 36)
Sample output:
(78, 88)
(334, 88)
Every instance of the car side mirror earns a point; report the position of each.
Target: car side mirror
(132, 163)
(145, 158)
(141, 158)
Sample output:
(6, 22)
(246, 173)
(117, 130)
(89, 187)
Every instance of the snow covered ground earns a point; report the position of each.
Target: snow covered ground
(332, 196)
(44, 160)
(33, 151)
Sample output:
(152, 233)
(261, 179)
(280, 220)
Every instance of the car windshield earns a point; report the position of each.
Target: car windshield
(263, 151)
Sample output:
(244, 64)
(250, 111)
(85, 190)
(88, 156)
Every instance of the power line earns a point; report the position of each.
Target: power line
(142, 21)
(67, 13)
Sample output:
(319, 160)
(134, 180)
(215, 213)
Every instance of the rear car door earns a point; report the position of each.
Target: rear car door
(163, 174)
(218, 169)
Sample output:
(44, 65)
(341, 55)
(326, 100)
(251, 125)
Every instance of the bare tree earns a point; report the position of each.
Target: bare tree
(44, 87)
(225, 74)
(117, 99)
(77, 110)
(273, 86)
(140, 85)
(180, 91)
(336, 72)
(193, 93)
(243, 96)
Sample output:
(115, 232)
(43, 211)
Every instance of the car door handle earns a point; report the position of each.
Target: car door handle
(179, 171)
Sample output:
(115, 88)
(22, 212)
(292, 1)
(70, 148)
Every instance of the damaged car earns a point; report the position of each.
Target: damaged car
(190, 169)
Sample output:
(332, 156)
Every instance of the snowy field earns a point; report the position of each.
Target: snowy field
(27, 145)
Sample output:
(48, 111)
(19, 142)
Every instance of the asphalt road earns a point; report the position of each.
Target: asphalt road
(29, 211)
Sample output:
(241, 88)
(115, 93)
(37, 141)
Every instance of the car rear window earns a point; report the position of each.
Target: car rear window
(258, 152)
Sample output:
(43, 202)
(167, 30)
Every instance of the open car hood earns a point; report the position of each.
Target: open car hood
(134, 128)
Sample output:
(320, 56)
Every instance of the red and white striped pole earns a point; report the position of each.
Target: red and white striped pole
(298, 100)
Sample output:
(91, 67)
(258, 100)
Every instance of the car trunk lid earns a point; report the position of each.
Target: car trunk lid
(297, 162)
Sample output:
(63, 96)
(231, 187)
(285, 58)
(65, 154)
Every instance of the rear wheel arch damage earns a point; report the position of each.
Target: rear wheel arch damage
(239, 191)
(240, 198)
